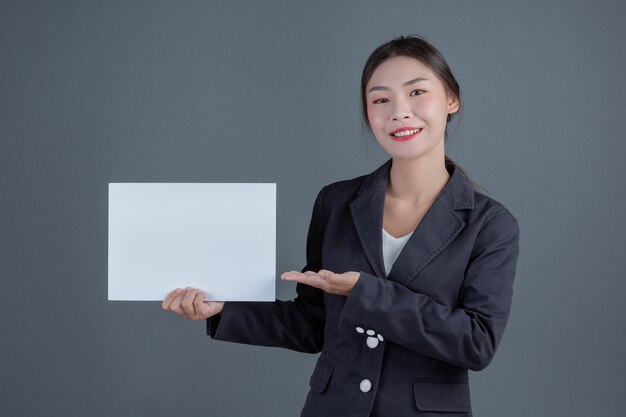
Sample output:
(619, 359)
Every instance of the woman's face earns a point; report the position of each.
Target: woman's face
(407, 108)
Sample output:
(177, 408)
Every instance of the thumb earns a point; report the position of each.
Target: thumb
(325, 274)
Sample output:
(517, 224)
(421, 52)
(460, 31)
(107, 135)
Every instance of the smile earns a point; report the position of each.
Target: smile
(405, 134)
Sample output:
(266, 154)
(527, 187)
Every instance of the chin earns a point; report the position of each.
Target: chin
(417, 150)
(408, 153)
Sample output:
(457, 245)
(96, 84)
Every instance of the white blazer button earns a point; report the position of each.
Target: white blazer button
(372, 342)
(359, 330)
(371, 332)
(365, 385)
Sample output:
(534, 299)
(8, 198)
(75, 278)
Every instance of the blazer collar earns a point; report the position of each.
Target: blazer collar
(439, 226)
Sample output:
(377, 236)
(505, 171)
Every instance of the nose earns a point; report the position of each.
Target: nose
(401, 110)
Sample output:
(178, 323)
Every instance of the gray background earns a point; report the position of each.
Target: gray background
(207, 91)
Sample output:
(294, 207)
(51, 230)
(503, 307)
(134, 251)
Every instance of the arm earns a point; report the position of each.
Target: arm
(467, 335)
(297, 324)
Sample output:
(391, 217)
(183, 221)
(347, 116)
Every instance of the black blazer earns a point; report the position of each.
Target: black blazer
(398, 345)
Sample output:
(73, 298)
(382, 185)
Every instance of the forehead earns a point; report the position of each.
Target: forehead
(399, 69)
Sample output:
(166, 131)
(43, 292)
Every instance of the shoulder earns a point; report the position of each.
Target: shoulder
(473, 206)
(477, 210)
(488, 207)
(490, 215)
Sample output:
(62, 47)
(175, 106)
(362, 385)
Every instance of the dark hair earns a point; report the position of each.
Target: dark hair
(417, 47)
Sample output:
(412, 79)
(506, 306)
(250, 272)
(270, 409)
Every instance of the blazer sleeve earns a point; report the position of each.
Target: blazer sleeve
(467, 335)
(296, 325)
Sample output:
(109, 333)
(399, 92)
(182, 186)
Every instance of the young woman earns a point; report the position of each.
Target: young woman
(410, 269)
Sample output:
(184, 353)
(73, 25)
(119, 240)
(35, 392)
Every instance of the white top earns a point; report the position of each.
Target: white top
(392, 246)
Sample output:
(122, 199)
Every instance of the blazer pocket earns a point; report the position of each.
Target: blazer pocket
(321, 375)
(442, 395)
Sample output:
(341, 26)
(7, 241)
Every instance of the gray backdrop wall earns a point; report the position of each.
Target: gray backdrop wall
(93, 92)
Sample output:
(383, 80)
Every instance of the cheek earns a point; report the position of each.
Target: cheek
(433, 108)
(376, 117)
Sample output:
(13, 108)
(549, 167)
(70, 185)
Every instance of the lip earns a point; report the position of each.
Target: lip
(408, 137)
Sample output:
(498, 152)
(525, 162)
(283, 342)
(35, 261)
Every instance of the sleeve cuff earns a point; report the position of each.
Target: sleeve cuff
(212, 323)
(354, 310)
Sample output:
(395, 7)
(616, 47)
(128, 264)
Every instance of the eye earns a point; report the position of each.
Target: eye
(413, 93)
(380, 101)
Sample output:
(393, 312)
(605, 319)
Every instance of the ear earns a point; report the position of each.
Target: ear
(453, 104)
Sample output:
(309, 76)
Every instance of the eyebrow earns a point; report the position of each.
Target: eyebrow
(413, 81)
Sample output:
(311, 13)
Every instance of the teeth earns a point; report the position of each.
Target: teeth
(406, 132)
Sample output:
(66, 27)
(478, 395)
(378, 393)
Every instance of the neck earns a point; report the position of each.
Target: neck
(417, 181)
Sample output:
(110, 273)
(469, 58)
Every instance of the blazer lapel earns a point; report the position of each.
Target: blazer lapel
(367, 213)
(439, 226)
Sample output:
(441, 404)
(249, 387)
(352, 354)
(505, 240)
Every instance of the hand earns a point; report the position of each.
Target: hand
(330, 282)
(189, 303)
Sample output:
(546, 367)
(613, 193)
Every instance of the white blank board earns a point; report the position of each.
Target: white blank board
(218, 237)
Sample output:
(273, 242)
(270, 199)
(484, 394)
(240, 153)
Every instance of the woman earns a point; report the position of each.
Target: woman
(410, 269)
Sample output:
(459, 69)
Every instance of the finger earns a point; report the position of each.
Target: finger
(169, 298)
(198, 303)
(215, 307)
(296, 276)
(293, 276)
(290, 276)
(309, 278)
(187, 304)
(175, 306)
